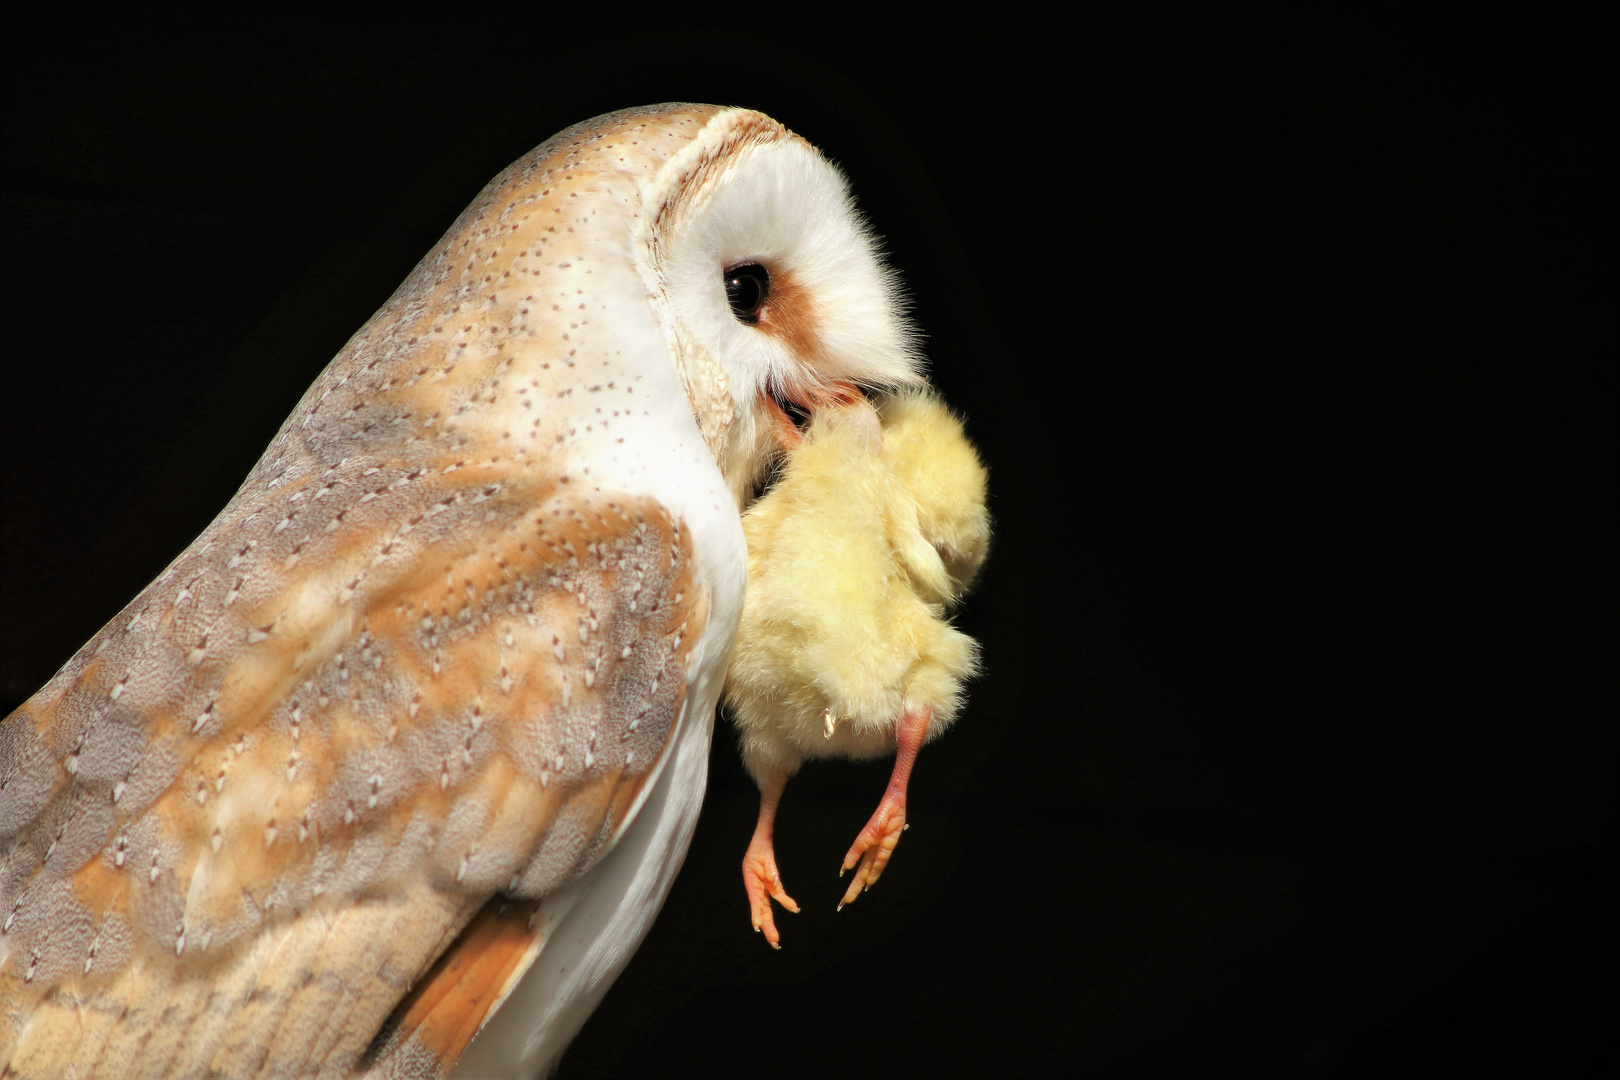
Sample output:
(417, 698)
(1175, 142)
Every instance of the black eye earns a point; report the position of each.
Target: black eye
(747, 286)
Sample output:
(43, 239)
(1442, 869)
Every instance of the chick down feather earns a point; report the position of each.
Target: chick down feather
(876, 526)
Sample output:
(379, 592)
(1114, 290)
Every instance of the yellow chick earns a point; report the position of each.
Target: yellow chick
(876, 525)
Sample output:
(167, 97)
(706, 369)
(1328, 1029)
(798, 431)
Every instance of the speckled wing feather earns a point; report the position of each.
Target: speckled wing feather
(347, 825)
(414, 663)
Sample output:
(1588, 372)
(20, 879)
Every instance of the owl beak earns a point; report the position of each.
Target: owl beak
(791, 409)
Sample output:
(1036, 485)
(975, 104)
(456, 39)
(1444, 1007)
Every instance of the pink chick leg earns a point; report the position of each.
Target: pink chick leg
(760, 876)
(877, 841)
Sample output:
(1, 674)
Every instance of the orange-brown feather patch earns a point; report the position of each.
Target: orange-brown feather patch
(447, 1008)
(791, 315)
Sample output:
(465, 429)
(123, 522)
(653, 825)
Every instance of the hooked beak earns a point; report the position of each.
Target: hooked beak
(792, 408)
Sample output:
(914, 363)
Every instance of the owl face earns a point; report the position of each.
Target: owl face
(766, 271)
(774, 272)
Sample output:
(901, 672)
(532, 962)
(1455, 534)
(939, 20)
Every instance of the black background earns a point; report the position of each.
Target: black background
(1289, 338)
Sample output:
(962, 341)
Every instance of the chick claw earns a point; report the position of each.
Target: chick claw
(763, 883)
(874, 845)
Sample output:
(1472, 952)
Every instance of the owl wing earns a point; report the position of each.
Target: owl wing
(339, 750)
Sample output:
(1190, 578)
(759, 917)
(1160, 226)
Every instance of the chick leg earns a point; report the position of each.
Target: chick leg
(877, 841)
(760, 876)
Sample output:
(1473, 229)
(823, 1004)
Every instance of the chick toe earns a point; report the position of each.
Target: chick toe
(875, 843)
(761, 880)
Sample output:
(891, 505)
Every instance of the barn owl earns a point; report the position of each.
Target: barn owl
(875, 527)
(410, 742)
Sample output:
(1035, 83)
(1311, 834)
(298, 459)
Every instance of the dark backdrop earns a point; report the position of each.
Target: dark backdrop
(1289, 338)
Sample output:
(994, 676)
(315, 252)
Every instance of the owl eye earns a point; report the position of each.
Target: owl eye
(747, 286)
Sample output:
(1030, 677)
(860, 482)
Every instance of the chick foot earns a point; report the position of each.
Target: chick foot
(761, 879)
(876, 843)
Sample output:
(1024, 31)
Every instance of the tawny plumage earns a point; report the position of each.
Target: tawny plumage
(419, 724)
(874, 529)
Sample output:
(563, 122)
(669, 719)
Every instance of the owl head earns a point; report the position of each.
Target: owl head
(670, 263)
